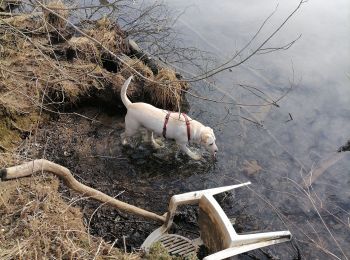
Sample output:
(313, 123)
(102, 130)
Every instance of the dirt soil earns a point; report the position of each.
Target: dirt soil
(141, 176)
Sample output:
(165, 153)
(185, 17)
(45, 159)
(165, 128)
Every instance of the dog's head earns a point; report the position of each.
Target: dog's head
(208, 140)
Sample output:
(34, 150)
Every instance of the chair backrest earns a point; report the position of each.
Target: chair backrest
(217, 232)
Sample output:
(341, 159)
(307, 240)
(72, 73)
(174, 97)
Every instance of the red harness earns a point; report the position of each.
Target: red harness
(187, 125)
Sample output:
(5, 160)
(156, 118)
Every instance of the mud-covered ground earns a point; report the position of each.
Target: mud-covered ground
(138, 175)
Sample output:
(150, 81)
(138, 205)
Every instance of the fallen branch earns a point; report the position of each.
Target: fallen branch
(38, 166)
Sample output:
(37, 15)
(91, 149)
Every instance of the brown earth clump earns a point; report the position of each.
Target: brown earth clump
(110, 35)
(163, 90)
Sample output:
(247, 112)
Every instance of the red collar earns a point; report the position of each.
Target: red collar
(187, 125)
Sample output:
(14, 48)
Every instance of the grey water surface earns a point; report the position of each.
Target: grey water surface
(293, 141)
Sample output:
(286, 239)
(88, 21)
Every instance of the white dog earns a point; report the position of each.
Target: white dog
(181, 128)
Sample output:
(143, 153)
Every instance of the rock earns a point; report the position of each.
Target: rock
(134, 47)
(67, 154)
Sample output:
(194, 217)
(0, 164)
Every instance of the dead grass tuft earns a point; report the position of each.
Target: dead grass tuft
(84, 48)
(109, 35)
(53, 17)
(166, 92)
(35, 223)
(158, 251)
(137, 65)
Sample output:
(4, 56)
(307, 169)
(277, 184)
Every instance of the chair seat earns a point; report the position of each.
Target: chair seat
(177, 245)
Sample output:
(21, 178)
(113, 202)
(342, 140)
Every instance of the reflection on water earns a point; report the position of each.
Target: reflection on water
(296, 138)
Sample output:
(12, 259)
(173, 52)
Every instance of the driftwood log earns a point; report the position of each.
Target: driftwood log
(42, 165)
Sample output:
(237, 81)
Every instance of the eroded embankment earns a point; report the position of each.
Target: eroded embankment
(49, 68)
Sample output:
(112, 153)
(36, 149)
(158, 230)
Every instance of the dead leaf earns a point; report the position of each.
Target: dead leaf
(251, 167)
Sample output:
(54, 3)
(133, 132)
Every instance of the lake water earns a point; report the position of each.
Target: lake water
(300, 136)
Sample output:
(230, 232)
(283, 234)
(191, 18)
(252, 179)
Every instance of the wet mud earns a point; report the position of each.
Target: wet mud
(139, 175)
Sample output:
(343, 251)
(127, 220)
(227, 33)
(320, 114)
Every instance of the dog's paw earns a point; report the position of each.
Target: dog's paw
(157, 144)
(196, 157)
(123, 139)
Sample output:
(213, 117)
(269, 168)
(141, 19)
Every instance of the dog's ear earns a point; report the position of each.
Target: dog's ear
(204, 138)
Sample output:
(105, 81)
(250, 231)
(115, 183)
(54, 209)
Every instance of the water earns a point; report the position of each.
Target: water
(317, 66)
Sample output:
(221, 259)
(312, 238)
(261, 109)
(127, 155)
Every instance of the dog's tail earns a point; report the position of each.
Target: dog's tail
(123, 95)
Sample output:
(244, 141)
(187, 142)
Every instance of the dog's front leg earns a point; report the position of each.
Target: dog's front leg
(123, 138)
(157, 144)
(191, 154)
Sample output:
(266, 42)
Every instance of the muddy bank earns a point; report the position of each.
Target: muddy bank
(140, 176)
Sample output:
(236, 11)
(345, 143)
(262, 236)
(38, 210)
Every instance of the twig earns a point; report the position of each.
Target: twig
(220, 69)
(124, 243)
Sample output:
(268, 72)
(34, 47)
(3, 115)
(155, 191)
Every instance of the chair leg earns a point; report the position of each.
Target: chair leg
(232, 251)
(260, 237)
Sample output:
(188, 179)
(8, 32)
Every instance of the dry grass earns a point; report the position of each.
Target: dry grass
(109, 35)
(137, 65)
(35, 223)
(34, 77)
(158, 251)
(166, 90)
(84, 48)
(53, 19)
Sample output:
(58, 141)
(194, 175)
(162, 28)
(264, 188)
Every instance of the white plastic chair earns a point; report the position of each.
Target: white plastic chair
(216, 230)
